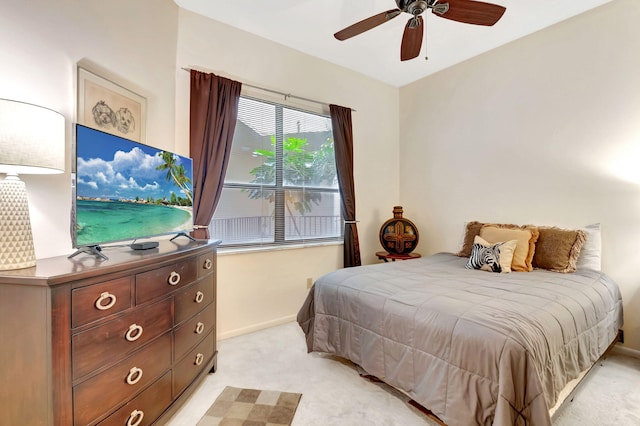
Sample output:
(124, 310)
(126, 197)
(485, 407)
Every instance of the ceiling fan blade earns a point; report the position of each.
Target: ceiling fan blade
(412, 38)
(366, 24)
(469, 11)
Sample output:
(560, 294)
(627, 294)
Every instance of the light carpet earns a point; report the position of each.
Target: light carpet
(336, 395)
(251, 407)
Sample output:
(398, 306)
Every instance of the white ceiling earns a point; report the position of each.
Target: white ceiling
(309, 25)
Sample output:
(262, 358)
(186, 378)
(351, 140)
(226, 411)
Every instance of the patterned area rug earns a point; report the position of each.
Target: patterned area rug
(251, 407)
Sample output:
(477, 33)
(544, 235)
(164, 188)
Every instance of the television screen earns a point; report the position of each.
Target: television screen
(126, 190)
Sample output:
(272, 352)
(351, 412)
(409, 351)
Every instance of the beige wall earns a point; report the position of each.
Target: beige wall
(545, 130)
(264, 288)
(41, 42)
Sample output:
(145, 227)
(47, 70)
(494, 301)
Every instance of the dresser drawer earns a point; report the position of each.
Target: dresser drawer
(192, 331)
(206, 264)
(190, 300)
(192, 364)
(144, 408)
(92, 303)
(95, 397)
(162, 281)
(100, 346)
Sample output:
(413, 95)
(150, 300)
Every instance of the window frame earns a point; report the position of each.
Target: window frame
(280, 188)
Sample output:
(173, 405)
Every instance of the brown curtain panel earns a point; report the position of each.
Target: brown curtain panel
(214, 110)
(343, 145)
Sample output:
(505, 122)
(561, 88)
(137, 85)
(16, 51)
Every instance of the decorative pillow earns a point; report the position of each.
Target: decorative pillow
(526, 237)
(472, 229)
(558, 249)
(491, 257)
(590, 255)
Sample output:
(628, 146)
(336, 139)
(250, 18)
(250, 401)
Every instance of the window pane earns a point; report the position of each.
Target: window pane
(252, 159)
(308, 156)
(244, 217)
(312, 214)
(281, 184)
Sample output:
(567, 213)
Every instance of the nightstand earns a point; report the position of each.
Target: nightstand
(383, 255)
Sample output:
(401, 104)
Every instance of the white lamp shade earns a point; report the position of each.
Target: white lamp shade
(32, 139)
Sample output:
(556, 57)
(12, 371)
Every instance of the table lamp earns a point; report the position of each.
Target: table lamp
(32, 141)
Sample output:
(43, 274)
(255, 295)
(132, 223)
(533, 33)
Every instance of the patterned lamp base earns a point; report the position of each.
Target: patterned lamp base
(16, 239)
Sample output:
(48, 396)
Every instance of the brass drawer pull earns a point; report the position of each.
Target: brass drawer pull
(104, 297)
(199, 328)
(208, 264)
(199, 297)
(134, 376)
(135, 418)
(199, 359)
(174, 278)
(133, 333)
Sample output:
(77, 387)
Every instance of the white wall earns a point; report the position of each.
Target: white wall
(41, 42)
(545, 130)
(264, 288)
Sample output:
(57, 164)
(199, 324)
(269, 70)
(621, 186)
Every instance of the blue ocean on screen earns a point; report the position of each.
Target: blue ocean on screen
(126, 190)
(114, 220)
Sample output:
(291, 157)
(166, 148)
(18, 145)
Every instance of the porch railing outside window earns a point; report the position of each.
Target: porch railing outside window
(258, 229)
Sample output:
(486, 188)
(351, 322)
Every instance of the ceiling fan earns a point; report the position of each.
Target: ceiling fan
(467, 11)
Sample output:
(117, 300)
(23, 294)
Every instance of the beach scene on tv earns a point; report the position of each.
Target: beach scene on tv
(126, 190)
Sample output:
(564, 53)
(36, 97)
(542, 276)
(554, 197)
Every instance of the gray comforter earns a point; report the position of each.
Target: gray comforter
(474, 347)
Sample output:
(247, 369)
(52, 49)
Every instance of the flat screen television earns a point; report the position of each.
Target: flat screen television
(125, 190)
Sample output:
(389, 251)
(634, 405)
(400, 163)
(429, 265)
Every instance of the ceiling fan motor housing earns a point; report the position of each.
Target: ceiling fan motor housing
(414, 7)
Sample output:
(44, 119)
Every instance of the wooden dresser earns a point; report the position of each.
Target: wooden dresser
(111, 342)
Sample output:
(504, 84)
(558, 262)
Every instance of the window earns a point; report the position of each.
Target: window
(281, 185)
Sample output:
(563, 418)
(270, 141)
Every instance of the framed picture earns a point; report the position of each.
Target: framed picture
(110, 107)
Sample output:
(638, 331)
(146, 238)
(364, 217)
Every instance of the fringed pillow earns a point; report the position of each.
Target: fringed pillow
(558, 249)
(471, 230)
(526, 237)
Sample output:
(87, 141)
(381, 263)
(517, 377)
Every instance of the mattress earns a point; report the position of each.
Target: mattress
(473, 347)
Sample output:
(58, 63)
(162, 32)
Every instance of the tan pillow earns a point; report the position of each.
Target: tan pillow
(480, 260)
(472, 229)
(558, 249)
(526, 237)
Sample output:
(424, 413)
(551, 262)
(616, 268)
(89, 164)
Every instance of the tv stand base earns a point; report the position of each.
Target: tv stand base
(182, 234)
(95, 250)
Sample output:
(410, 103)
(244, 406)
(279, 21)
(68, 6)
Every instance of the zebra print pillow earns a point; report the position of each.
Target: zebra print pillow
(491, 257)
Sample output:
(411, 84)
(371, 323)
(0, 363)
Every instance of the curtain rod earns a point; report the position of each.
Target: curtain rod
(286, 95)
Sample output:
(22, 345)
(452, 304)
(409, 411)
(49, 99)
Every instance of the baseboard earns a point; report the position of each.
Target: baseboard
(256, 327)
(622, 350)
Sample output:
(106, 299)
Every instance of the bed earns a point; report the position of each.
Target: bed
(473, 347)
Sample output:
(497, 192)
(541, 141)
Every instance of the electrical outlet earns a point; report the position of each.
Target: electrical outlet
(309, 282)
(621, 336)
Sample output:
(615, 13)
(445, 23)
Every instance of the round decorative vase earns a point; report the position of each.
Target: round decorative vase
(398, 235)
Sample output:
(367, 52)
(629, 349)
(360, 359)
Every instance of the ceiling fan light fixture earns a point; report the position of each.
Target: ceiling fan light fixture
(403, 4)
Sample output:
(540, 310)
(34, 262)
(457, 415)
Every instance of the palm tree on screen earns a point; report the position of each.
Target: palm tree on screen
(176, 173)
